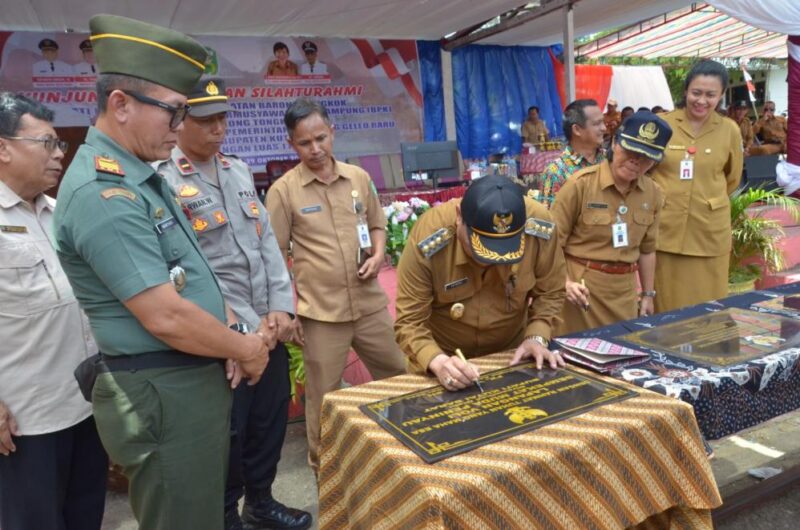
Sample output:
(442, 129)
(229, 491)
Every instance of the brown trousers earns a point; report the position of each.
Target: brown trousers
(325, 355)
(688, 280)
(612, 298)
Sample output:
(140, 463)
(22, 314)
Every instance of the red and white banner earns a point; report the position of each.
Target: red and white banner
(371, 88)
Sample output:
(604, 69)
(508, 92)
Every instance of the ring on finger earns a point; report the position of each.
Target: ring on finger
(449, 380)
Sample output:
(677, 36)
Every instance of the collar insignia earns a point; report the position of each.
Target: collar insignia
(108, 165)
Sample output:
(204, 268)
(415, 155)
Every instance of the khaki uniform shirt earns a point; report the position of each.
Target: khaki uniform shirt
(119, 231)
(275, 68)
(773, 130)
(43, 332)
(695, 220)
(235, 234)
(532, 132)
(320, 221)
(496, 313)
(589, 204)
(612, 120)
(746, 128)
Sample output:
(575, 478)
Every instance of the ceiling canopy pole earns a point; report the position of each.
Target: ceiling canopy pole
(569, 52)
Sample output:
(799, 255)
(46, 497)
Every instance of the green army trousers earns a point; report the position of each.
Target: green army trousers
(169, 429)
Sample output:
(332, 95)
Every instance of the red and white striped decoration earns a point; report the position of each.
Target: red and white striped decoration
(389, 59)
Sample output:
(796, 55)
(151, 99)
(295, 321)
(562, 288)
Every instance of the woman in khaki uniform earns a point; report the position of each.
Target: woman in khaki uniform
(702, 166)
(607, 218)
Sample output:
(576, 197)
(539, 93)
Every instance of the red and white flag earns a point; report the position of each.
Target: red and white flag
(751, 87)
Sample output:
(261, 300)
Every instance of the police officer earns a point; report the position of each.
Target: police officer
(465, 279)
(236, 237)
(161, 402)
(607, 218)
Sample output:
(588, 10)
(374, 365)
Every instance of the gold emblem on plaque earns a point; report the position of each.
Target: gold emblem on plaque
(520, 415)
(457, 311)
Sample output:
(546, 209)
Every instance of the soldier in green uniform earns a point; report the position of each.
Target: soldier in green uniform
(161, 400)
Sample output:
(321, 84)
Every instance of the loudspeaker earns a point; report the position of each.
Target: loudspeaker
(759, 171)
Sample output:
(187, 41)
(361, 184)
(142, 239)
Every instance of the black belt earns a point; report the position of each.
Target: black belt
(156, 359)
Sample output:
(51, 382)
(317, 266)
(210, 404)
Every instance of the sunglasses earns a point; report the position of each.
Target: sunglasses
(178, 114)
(50, 143)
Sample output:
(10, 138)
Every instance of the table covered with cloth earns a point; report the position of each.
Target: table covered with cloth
(726, 399)
(431, 196)
(636, 462)
(535, 163)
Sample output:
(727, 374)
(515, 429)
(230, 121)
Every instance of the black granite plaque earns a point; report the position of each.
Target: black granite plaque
(437, 424)
(721, 338)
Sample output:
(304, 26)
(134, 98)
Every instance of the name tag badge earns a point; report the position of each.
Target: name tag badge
(619, 234)
(165, 225)
(311, 209)
(687, 169)
(454, 284)
(11, 229)
(364, 240)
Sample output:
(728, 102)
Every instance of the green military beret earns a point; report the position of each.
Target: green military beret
(161, 55)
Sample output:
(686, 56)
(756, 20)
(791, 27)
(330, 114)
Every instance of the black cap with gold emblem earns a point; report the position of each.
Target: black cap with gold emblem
(153, 53)
(493, 210)
(645, 133)
(48, 44)
(207, 98)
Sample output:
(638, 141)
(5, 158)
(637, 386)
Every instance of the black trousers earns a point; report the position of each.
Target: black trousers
(258, 428)
(55, 481)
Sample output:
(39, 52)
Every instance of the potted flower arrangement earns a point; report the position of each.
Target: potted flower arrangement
(754, 237)
(400, 217)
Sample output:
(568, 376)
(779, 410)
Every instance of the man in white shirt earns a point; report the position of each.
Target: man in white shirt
(87, 67)
(52, 465)
(50, 65)
(312, 66)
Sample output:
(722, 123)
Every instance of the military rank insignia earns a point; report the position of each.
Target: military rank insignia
(187, 190)
(224, 162)
(219, 217)
(436, 241)
(539, 228)
(108, 165)
(185, 167)
(118, 192)
(199, 224)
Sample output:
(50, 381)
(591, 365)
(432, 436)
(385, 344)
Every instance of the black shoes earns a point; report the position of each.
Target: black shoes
(233, 521)
(269, 514)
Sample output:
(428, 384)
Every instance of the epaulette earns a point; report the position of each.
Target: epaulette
(539, 228)
(184, 166)
(224, 162)
(436, 241)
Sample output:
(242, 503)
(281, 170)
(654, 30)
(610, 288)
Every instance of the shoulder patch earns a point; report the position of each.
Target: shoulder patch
(108, 165)
(436, 241)
(185, 167)
(224, 162)
(118, 192)
(539, 228)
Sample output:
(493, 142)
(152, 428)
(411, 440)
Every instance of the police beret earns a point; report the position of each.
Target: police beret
(153, 53)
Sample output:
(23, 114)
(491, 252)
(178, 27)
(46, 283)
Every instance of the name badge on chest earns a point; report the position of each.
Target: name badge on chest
(687, 169)
(619, 235)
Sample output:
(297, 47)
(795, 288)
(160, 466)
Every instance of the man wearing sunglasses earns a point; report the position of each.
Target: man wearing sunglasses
(161, 399)
(45, 424)
(771, 130)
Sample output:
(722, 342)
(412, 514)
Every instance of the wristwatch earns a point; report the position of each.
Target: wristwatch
(538, 338)
(241, 327)
(649, 294)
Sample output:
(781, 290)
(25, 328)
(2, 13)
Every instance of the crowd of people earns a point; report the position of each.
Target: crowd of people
(160, 240)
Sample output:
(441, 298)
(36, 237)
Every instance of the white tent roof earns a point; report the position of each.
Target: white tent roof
(410, 19)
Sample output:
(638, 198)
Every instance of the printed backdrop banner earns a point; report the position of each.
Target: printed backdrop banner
(370, 87)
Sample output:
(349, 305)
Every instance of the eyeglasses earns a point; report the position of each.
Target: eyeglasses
(178, 113)
(50, 143)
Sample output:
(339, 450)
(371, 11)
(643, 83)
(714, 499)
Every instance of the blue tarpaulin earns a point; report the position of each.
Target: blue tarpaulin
(493, 86)
(430, 66)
